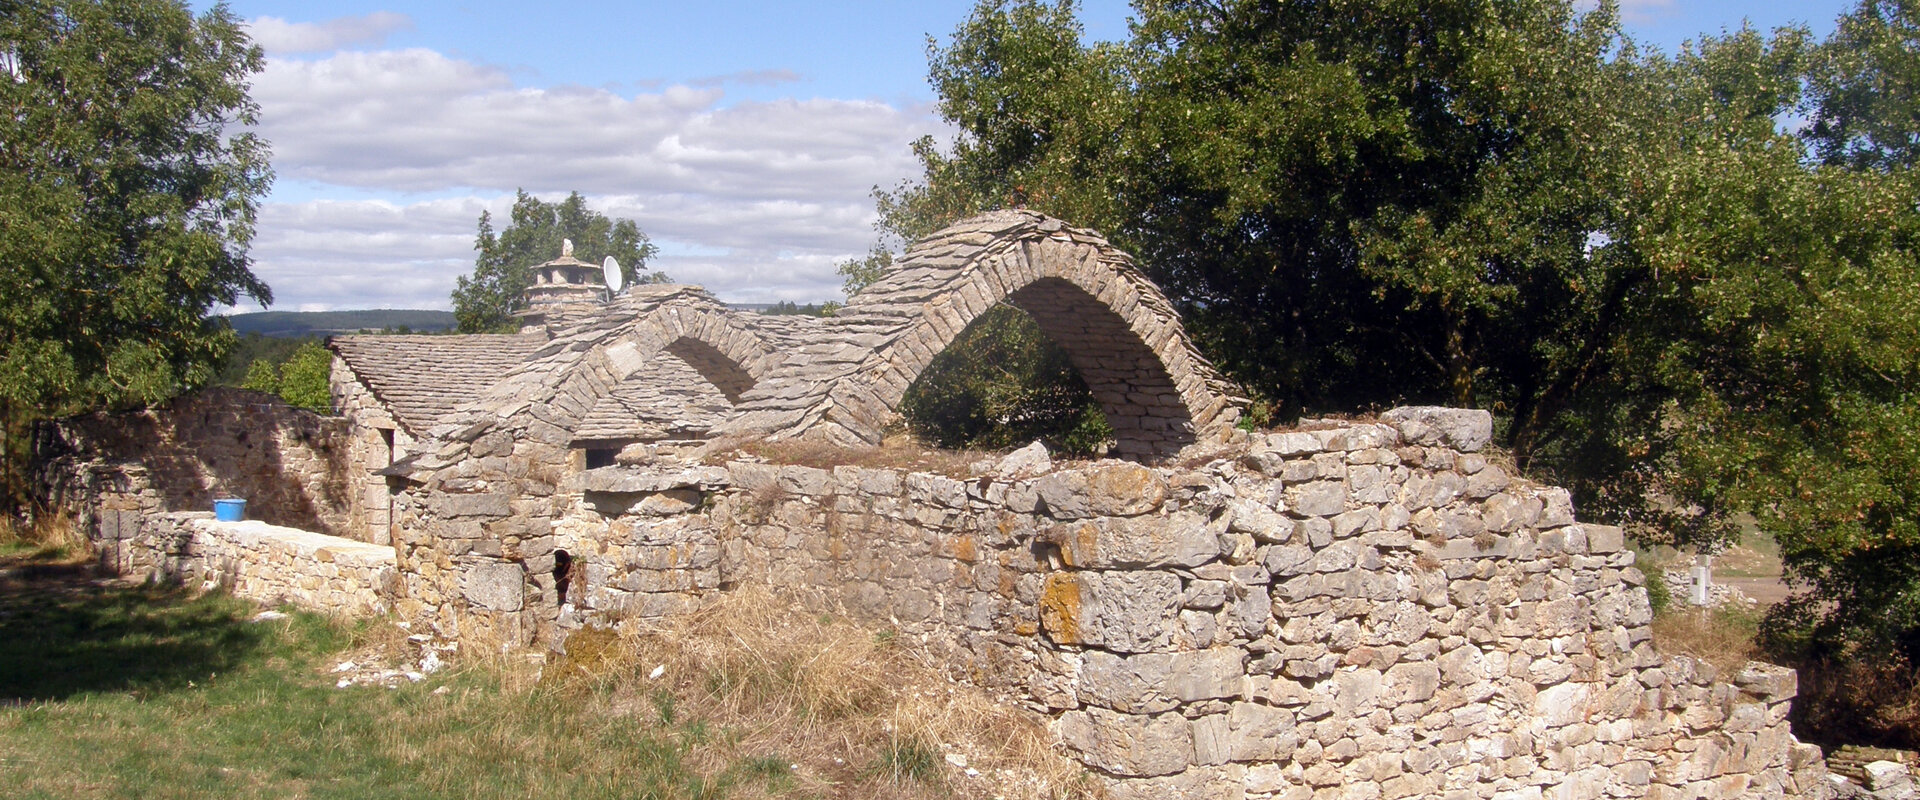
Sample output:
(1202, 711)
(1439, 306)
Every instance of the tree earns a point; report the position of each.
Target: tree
(128, 192)
(301, 378)
(1002, 383)
(485, 300)
(1322, 189)
(1865, 83)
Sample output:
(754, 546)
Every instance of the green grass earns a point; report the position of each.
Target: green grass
(151, 692)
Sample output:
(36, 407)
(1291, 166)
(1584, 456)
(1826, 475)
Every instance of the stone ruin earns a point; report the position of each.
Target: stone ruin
(1364, 609)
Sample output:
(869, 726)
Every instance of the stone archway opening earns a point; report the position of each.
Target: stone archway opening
(1050, 362)
(1124, 374)
(1001, 383)
(726, 375)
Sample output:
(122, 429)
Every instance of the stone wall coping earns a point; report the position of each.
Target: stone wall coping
(306, 544)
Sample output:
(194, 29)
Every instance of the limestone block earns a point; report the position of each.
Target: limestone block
(1182, 539)
(1297, 443)
(1562, 704)
(1108, 489)
(1768, 681)
(1263, 523)
(1026, 462)
(494, 585)
(1602, 539)
(805, 481)
(1410, 683)
(1465, 430)
(1259, 732)
(1206, 594)
(469, 505)
(1128, 744)
(1127, 612)
(1289, 560)
(1134, 684)
(1250, 610)
(1207, 674)
(1318, 499)
(1224, 782)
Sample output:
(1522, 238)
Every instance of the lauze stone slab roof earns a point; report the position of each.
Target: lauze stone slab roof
(423, 378)
(672, 361)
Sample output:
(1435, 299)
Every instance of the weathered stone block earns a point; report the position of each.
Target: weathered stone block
(1263, 523)
(1134, 684)
(1183, 539)
(470, 505)
(1207, 674)
(1466, 430)
(1318, 499)
(1261, 732)
(1113, 489)
(495, 585)
(1128, 744)
(1127, 612)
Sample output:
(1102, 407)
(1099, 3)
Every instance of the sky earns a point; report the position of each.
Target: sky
(745, 138)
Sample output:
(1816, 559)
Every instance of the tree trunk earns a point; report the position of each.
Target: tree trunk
(1459, 363)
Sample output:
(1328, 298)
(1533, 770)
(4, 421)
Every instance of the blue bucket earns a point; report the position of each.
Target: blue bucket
(229, 509)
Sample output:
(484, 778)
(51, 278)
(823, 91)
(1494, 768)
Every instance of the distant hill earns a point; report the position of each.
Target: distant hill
(293, 324)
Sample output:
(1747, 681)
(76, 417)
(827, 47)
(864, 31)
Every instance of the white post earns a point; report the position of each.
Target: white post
(1702, 579)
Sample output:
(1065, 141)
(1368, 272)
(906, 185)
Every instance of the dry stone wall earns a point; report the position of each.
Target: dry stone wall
(255, 560)
(112, 469)
(1360, 610)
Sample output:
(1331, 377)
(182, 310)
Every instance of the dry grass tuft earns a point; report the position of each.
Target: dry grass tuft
(1723, 637)
(51, 538)
(845, 711)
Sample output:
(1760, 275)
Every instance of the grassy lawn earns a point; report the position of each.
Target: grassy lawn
(142, 691)
(151, 692)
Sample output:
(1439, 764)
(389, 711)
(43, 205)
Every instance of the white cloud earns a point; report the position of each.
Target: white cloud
(280, 37)
(755, 200)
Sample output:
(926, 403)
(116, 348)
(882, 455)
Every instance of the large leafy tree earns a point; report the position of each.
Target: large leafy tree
(485, 300)
(1510, 205)
(128, 189)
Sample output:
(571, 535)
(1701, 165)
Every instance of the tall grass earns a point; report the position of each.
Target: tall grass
(144, 691)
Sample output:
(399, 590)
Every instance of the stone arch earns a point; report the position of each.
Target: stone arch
(1123, 335)
(713, 341)
(561, 383)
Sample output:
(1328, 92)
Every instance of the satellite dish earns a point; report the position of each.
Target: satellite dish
(614, 278)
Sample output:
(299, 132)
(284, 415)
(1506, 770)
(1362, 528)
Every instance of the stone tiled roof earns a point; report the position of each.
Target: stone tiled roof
(423, 378)
(666, 399)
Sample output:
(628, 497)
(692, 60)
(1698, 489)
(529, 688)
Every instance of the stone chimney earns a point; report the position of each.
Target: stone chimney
(563, 287)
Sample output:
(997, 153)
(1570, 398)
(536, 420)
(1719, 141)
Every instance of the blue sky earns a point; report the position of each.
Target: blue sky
(744, 137)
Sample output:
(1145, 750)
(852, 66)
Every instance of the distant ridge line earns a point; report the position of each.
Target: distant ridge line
(294, 324)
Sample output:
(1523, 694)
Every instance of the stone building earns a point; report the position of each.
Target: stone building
(1351, 609)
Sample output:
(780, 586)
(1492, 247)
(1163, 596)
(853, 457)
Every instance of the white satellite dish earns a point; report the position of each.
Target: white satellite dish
(614, 279)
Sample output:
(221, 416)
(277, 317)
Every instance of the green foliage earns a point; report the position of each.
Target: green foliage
(262, 376)
(862, 272)
(249, 348)
(1509, 205)
(485, 300)
(1866, 83)
(128, 201)
(1000, 384)
(303, 378)
(300, 377)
